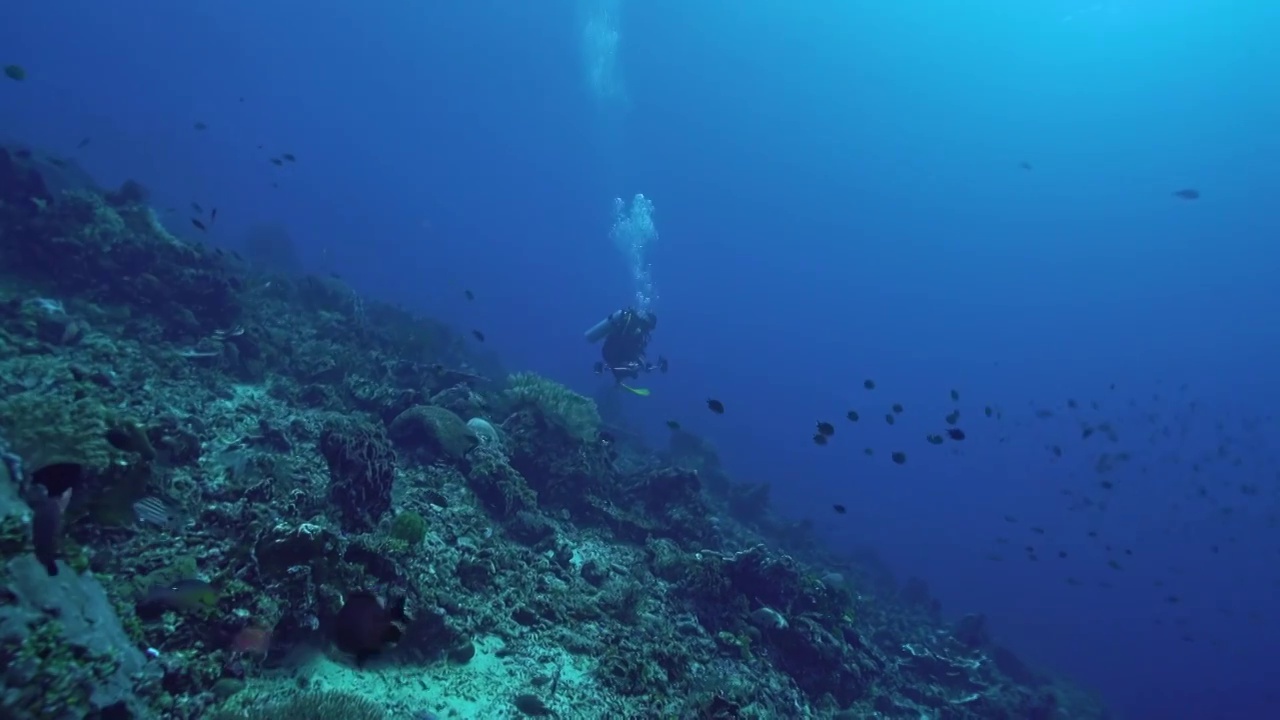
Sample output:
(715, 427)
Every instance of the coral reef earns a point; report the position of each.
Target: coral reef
(244, 452)
(555, 405)
(432, 432)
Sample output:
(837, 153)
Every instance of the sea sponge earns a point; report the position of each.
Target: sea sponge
(557, 404)
(362, 470)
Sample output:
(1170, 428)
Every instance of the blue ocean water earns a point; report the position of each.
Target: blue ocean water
(934, 195)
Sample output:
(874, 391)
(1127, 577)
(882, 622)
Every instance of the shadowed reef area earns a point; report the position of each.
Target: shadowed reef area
(241, 477)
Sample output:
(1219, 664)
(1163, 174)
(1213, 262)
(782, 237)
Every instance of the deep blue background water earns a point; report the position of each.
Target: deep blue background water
(838, 192)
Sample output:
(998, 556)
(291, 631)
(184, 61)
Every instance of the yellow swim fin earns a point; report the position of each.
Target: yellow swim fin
(642, 392)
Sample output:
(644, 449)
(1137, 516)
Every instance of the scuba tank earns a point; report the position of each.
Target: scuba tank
(601, 330)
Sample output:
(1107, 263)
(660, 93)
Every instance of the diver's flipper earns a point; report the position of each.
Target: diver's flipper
(642, 392)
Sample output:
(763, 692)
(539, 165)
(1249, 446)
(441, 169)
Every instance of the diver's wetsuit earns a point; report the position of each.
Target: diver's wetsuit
(624, 347)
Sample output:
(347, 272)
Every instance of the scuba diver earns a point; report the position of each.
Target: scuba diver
(626, 335)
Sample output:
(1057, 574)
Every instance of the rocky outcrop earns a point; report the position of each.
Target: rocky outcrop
(63, 651)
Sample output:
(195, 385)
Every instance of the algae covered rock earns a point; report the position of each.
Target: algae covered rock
(498, 485)
(47, 415)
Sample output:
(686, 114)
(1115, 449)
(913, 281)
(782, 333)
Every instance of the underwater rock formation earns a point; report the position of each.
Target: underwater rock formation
(254, 451)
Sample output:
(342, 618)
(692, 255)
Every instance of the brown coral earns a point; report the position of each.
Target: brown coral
(432, 433)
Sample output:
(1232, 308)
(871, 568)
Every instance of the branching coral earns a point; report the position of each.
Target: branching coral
(323, 705)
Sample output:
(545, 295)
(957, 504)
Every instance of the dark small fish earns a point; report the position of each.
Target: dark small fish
(840, 509)
(15, 72)
(83, 143)
(888, 417)
(213, 215)
(364, 626)
(1187, 194)
(934, 439)
(869, 384)
(195, 208)
(955, 394)
(22, 154)
(826, 428)
(56, 162)
(1010, 519)
(897, 408)
(478, 335)
(201, 126)
(673, 424)
(852, 415)
(953, 417)
(199, 225)
(289, 157)
(955, 433)
(46, 529)
(469, 295)
(899, 457)
(1062, 554)
(868, 452)
(606, 437)
(715, 406)
(532, 706)
(1037, 530)
(819, 439)
(987, 411)
(1024, 165)
(277, 162)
